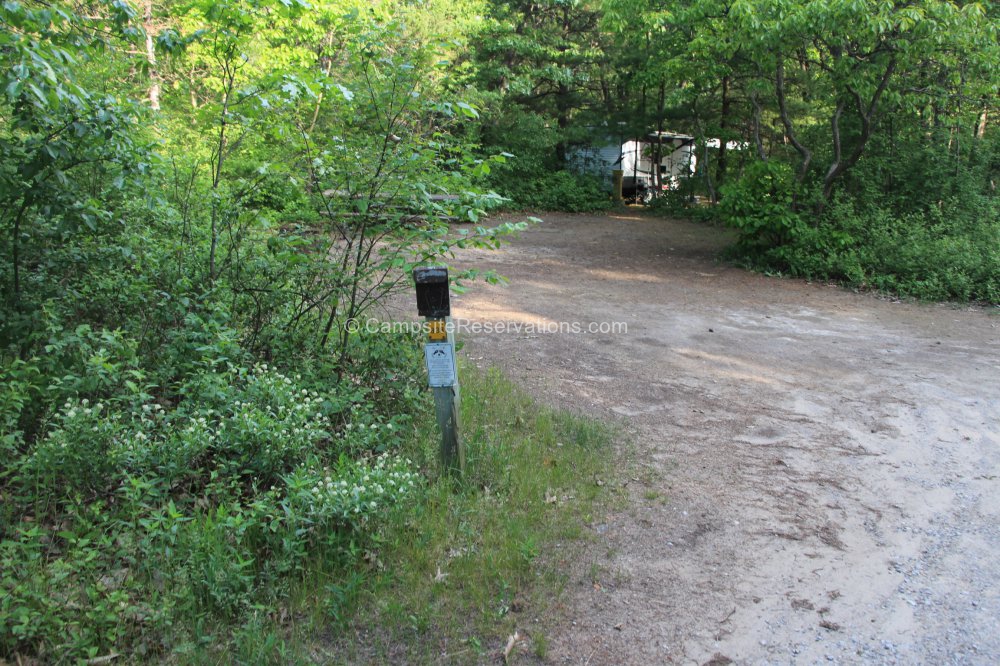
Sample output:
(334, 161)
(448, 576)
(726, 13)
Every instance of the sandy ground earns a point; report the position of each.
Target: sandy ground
(816, 473)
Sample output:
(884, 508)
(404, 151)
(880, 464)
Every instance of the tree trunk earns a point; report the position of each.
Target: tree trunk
(192, 95)
(713, 194)
(758, 140)
(16, 251)
(657, 179)
(154, 73)
(866, 114)
(229, 82)
(786, 120)
(562, 111)
(328, 43)
(722, 162)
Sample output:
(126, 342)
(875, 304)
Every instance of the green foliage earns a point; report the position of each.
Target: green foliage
(68, 150)
(543, 54)
(559, 190)
(530, 176)
(155, 517)
(190, 424)
(759, 205)
(541, 65)
(927, 229)
(689, 199)
(464, 569)
(885, 103)
(940, 254)
(65, 597)
(162, 477)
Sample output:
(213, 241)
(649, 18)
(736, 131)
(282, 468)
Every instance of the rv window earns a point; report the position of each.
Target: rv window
(663, 168)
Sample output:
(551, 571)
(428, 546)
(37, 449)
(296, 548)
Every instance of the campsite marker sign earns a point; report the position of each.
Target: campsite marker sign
(440, 359)
(434, 304)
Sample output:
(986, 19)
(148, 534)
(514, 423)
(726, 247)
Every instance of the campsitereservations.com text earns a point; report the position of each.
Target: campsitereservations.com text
(469, 327)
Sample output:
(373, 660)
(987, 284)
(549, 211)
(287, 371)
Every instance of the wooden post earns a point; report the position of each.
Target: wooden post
(433, 303)
(617, 176)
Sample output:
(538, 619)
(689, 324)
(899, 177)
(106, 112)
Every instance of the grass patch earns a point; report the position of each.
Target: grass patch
(224, 557)
(481, 557)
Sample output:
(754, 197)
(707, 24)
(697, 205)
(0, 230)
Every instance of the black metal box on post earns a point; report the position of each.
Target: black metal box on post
(432, 292)
(434, 303)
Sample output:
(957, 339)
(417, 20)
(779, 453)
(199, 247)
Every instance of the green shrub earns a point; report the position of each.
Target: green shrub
(64, 593)
(557, 190)
(759, 206)
(127, 524)
(681, 203)
(944, 253)
(935, 255)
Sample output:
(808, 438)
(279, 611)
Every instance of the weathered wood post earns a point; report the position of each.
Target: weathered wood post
(434, 304)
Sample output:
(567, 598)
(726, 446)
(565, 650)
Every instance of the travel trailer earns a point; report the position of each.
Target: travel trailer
(641, 177)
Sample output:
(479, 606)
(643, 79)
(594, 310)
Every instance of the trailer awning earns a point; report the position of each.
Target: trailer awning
(670, 138)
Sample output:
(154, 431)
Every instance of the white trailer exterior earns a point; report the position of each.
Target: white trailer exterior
(635, 158)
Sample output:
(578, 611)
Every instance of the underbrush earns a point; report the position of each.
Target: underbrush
(555, 190)
(152, 526)
(928, 256)
(945, 248)
(261, 512)
(681, 204)
(945, 253)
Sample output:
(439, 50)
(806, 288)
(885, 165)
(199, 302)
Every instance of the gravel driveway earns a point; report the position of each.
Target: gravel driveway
(816, 475)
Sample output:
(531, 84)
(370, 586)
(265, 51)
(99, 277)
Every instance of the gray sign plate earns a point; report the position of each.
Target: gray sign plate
(440, 359)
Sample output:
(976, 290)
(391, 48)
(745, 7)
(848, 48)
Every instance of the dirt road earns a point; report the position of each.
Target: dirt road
(818, 472)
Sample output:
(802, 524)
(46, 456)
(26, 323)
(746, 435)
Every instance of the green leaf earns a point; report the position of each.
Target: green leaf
(346, 92)
(467, 110)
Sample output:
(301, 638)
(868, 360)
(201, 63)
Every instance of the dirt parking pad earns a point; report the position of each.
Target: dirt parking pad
(817, 473)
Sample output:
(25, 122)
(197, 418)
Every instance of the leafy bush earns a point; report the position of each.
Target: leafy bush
(759, 206)
(557, 190)
(681, 202)
(121, 525)
(531, 177)
(911, 218)
(945, 253)
(935, 255)
(64, 594)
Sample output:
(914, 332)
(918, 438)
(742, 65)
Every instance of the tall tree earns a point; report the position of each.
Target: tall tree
(846, 64)
(544, 55)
